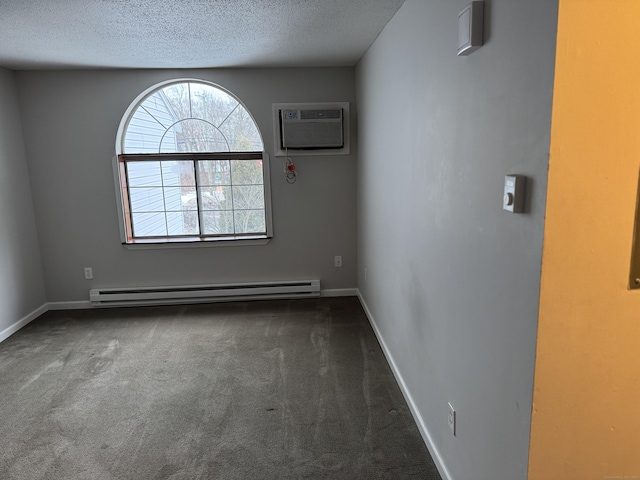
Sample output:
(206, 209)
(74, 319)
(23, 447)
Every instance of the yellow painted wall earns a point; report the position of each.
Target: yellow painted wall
(586, 415)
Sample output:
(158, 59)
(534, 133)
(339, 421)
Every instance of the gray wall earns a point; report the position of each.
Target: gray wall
(453, 281)
(70, 124)
(21, 280)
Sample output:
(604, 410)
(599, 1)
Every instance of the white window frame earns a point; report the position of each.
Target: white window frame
(185, 241)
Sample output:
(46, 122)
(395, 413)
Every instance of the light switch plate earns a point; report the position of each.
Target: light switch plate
(513, 199)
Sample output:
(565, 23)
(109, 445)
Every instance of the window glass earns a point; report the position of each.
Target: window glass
(218, 191)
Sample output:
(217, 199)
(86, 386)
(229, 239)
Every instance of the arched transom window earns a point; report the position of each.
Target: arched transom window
(191, 167)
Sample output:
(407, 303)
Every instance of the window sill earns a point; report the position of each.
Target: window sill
(195, 242)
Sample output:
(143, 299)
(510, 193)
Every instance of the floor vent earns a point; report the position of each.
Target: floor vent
(121, 297)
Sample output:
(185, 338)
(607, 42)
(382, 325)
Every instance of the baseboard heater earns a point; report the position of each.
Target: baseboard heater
(122, 297)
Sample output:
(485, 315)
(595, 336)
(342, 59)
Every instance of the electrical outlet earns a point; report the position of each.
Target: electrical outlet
(452, 419)
(88, 273)
(365, 274)
(337, 261)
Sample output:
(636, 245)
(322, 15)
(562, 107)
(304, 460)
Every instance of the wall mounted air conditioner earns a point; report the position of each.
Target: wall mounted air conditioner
(311, 129)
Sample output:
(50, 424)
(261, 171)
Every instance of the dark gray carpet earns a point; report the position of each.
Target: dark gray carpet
(256, 390)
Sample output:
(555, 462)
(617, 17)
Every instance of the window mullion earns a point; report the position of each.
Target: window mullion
(233, 207)
(196, 168)
(128, 211)
(164, 199)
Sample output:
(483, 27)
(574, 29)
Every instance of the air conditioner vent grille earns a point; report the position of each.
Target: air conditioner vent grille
(311, 128)
(320, 114)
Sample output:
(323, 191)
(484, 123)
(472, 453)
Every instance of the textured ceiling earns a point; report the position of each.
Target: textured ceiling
(41, 34)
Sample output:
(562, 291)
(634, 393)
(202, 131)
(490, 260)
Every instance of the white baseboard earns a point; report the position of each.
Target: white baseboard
(340, 292)
(426, 436)
(70, 305)
(7, 332)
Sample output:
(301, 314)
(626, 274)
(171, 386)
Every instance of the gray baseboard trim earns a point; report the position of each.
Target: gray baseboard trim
(10, 330)
(426, 436)
(339, 292)
(81, 305)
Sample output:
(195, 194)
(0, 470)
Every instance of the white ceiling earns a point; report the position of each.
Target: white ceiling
(43, 34)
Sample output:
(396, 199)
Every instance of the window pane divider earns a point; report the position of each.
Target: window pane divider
(196, 171)
(207, 237)
(150, 157)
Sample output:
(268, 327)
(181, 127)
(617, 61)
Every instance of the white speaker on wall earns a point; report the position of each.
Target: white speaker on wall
(470, 28)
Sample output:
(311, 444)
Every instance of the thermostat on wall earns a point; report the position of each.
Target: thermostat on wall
(470, 28)
(513, 200)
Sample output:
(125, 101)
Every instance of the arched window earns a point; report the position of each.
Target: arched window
(191, 167)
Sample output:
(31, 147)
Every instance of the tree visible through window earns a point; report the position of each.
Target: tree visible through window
(192, 167)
